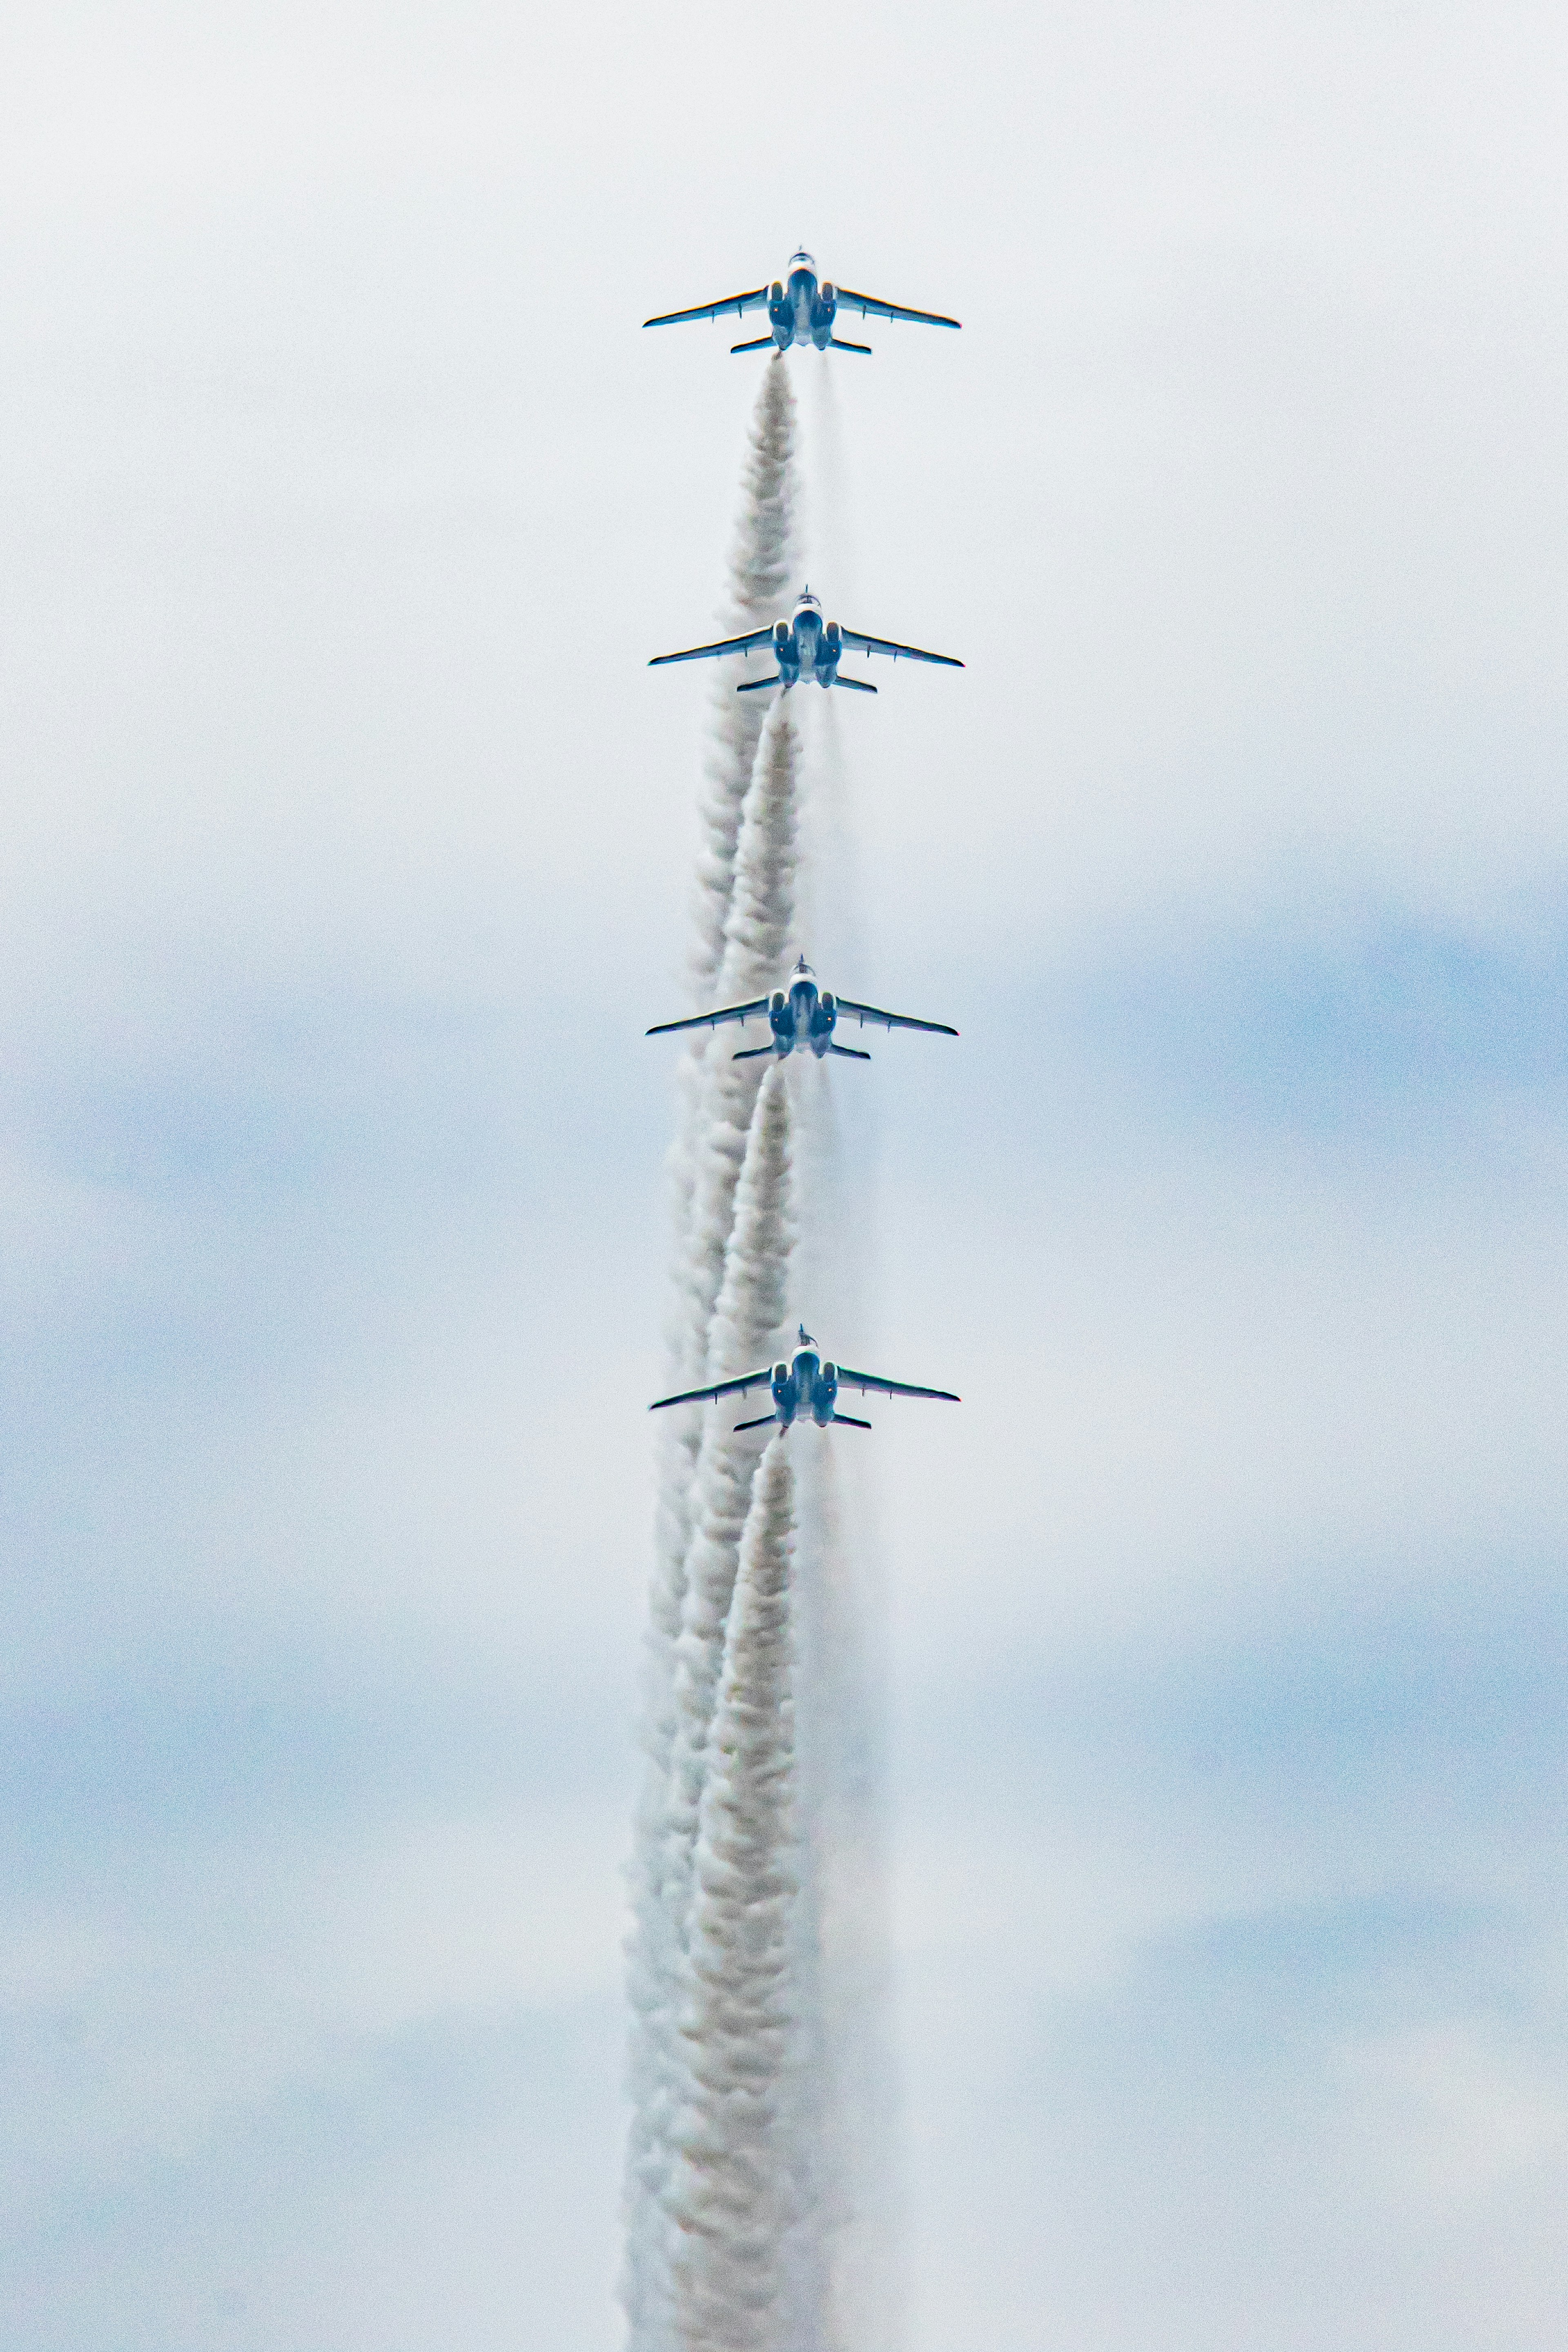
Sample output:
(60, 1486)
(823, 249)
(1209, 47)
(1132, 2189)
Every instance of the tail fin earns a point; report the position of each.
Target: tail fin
(850, 1052)
(848, 1420)
(752, 1053)
(762, 343)
(763, 1418)
(756, 685)
(856, 685)
(834, 345)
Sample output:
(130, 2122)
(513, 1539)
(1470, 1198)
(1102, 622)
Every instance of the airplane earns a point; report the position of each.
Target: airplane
(807, 1384)
(801, 311)
(802, 1019)
(805, 646)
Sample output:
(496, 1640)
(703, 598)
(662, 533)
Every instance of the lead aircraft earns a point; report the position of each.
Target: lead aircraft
(800, 310)
(805, 1385)
(803, 1018)
(805, 646)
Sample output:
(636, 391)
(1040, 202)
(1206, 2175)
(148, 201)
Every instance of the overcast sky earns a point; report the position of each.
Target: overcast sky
(344, 860)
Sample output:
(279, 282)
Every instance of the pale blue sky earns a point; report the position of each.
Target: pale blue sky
(345, 861)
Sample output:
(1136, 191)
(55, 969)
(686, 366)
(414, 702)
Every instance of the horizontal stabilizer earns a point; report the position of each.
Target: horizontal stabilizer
(754, 1053)
(834, 345)
(762, 343)
(756, 685)
(761, 1422)
(856, 685)
(848, 1420)
(850, 1052)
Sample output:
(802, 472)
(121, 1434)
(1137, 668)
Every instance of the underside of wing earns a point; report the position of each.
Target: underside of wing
(869, 308)
(742, 1387)
(864, 1012)
(889, 645)
(710, 653)
(866, 1380)
(710, 1020)
(733, 306)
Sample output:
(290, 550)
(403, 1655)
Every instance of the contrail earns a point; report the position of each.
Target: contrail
(714, 1115)
(734, 1262)
(844, 2271)
(733, 2188)
(746, 1317)
(756, 2211)
(760, 561)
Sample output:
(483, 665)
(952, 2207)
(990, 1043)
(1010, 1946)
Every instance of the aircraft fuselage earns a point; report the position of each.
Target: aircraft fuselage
(802, 1017)
(800, 310)
(807, 646)
(806, 1386)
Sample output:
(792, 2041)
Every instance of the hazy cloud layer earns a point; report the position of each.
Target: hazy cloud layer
(345, 860)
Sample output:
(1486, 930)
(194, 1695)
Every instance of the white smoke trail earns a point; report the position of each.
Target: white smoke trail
(760, 561)
(734, 1266)
(711, 1111)
(757, 2210)
(757, 932)
(846, 2270)
(747, 1314)
(733, 2188)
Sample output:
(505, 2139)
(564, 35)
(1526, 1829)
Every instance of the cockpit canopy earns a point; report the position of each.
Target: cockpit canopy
(803, 260)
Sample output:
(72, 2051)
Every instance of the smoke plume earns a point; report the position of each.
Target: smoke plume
(755, 2212)
(732, 2194)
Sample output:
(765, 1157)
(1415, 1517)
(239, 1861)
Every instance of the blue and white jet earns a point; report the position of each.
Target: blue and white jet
(808, 1385)
(800, 310)
(803, 1018)
(806, 647)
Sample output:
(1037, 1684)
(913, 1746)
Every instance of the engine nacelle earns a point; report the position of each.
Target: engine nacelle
(830, 1378)
(833, 633)
(776, 292)
(829, 299)
(781, 633)
(781, 1376)
(829, 1002)
(777, 1001)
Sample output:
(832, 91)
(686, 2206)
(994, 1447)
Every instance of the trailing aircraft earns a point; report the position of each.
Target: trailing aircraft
(801, 310)
(805, 1385)
(803, 1018)
(805, 646)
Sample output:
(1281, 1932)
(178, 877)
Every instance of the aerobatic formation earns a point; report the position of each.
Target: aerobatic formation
(756, 2210)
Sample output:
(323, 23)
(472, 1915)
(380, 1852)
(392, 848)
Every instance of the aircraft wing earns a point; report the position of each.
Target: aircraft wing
(724, 646)
(757, 300)
(742, 1386)
(865, 1380)
(710, 1020)
(886, 646)
(869, 308)
(864, 1012)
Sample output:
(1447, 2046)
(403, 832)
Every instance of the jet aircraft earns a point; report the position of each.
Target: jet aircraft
(805, 1385)
(803, 1019)
(800, 310)
(805, 646)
